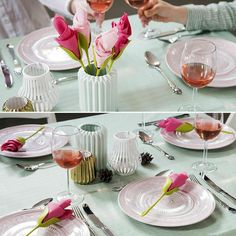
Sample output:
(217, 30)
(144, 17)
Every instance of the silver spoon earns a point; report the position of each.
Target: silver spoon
(153, 62)
(41, 203)
(146, 139)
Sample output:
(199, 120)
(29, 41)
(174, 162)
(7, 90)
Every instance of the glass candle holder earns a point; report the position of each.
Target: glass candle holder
(124, 158)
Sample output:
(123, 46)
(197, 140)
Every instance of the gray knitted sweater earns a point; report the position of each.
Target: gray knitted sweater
(220, 16)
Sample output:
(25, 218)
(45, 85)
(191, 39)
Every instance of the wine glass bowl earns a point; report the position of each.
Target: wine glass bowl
(136, 3)
(198, 66)
(99, 7)
(67, 156)
(207, 128)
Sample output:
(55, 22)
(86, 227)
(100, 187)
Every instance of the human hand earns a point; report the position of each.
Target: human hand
(158, 10)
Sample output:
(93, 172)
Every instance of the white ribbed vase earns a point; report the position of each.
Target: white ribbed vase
(97, 93)
(38, 86)
(93, 138)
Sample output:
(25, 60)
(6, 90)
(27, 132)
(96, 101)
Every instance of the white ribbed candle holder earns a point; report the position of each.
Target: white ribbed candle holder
(97, 93)
(39, 87)
(93, 138)
(124, 158)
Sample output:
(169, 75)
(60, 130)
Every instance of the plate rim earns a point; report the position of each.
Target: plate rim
(225, 85)
(168, 226)
(163, 132)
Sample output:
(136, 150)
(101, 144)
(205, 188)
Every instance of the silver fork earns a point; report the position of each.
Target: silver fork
(78, 214)
(17, 66)
(193, 178)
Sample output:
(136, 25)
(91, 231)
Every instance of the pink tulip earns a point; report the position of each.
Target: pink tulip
(68, 38)
(81, 23)
(104, 45)
(170, 124)
(177, 180)
(124, 26)
(12, 145)
(121, 43)
(57, 210)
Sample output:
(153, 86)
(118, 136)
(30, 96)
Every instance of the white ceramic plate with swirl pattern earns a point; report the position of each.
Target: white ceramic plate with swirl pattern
(191, 140)
(191, 204)
(226, 61)
(38, 145)
(20, 223)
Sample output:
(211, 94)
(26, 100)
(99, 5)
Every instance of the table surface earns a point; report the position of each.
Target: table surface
(140, 88)
(20, 189)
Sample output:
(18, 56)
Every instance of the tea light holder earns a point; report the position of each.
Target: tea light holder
(18, 104)
(39, 86)
(124, 158)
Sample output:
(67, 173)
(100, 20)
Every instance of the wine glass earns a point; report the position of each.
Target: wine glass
(99, 7)
(142, 127)
(208, 128)
(67, 156)
(198, 67)
(136, 4)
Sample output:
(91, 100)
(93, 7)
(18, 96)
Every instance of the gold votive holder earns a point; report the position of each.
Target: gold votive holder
(85, 172)
(18, 104)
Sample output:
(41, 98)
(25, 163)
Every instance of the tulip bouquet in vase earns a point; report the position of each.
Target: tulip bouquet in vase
(97, 78)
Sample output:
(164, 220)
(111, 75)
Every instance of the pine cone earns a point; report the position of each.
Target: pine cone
(146, 158)
(105, 175)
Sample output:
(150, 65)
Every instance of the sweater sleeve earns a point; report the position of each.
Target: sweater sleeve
(59, 6)
(220, 16)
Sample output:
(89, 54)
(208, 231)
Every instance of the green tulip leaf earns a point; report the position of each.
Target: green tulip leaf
(167, 185)
(185, 128)
(49, 222)
(42, 216)
(83, 42)
(226, 132)
(71, 54)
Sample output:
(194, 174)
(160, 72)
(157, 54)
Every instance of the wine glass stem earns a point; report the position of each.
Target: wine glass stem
(143, 121)
(194, 95)
(98, 24)
(205, 153)
(68, 181)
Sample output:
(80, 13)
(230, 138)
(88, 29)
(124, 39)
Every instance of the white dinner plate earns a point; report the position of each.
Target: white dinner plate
(226, 61)
(38, 145)
(191, 204)
(40, 46)
(20, 223)
(191, 140)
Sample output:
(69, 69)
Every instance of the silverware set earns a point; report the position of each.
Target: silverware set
(17, 66)
(193, 178)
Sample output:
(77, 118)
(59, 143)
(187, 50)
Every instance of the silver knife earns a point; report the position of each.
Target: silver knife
(6, 73)
(219, 190)
(156, 121)
(96, 221)
(167, 33)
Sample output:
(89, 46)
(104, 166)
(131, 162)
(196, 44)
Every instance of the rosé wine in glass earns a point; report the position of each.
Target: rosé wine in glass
(67, 155)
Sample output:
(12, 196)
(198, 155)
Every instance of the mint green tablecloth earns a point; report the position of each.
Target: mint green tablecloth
(140, 88)
(20, 189)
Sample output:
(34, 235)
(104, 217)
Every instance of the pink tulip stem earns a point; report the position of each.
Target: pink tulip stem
(87, 55)
(154, 204)
(98, 71)
(94, 57)
(34, 133)
(36, 227)
(82, 64)
(112, 62)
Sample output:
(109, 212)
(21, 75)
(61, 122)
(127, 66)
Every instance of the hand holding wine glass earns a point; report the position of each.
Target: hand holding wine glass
(99, 7)
(136, 4)
(68, 156)
(207, 128)
(198, 67)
